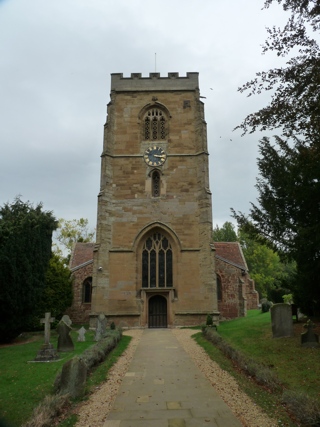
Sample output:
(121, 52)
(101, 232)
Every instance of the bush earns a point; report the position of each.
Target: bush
(265, 306)
(262, 374)
(209, 321)
(95, 354)
(302, 406)
(47, 411)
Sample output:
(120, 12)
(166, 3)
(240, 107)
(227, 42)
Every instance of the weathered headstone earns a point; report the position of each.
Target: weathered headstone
(309, 338)
(81, 334)
(65, 341)
(47, 352)
(101, 327)
(73, 378)
(281, 320)
(66, 319)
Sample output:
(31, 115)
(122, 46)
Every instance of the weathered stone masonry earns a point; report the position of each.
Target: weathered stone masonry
(129, 213)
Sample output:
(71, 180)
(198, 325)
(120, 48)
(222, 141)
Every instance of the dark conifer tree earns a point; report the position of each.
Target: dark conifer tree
(25, 251)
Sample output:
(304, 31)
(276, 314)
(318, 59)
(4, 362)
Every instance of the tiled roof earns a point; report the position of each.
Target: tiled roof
(82, 254)
(231, 252)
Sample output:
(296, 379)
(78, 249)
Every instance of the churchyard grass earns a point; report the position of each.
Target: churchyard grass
(23, 385)
(269, 402)
(296, 367)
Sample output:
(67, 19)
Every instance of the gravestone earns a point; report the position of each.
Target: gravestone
(66, 319)
(281, 320)
(81, 334)
(47, 352)
(101, 327)
(73, 378)
(65, 341)
(309, 338)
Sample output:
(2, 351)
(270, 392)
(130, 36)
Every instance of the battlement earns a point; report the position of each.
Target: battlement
(154, 82)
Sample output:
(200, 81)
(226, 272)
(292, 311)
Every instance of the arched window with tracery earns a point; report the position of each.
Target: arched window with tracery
(155, 183)
(155, 125)
(87, 290)
(219, 288)
(157, 262)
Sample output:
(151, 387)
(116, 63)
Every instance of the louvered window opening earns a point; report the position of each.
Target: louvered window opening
(155, 125)
(156, 184)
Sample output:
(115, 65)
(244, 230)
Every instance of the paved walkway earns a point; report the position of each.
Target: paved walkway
(164, 388)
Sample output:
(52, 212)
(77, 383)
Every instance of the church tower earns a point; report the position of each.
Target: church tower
(153, 258)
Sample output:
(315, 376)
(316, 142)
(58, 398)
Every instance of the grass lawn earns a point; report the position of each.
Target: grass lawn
(297, 367)
(24, 384)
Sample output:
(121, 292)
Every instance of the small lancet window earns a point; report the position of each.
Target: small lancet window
(219, 288)
(155, 125)
(155, 184)
(87, 290)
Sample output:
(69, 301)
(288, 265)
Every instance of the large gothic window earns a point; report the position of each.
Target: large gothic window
(155, 125)
(157, 262)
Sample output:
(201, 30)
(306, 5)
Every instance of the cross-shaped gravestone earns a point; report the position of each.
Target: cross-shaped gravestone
(47, 320)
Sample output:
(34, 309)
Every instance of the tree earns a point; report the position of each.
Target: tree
(57, 295)
(288, 215)
(25, 251)
(271, 275)
(289, 193)
(71, 231)
(224, 234)
(295, 103)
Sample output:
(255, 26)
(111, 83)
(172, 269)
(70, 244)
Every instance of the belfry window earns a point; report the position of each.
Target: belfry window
(155, 184)
(157, 262)
(155, 125)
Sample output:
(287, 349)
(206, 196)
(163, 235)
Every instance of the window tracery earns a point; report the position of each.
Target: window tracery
(157, 262)
(155, 125)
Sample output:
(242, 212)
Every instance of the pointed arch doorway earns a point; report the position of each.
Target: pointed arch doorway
(157, 312)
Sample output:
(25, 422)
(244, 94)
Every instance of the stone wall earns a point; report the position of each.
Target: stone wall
(238, 293)
(79, 312)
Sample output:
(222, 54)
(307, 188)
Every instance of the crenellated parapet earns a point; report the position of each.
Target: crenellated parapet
(154, 82)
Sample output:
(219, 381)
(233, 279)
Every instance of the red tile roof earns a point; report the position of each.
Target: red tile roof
(81, 254)
(231, 252)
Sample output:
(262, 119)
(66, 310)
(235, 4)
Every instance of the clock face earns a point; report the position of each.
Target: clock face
(155, 156)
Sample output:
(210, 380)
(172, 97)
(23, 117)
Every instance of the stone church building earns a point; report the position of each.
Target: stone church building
(154, 263)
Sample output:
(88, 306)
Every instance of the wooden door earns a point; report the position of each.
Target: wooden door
(157, 312)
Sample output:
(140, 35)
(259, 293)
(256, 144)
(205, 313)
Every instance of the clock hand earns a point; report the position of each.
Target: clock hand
(157, 155)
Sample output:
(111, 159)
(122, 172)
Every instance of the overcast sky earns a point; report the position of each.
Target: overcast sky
(56, 58)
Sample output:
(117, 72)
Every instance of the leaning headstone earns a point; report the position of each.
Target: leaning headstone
(81, 334)
(281, 320)
(66, 319)
(65, 341)
(309, 338)
(101, 327)
(47, 352)
(73, 378)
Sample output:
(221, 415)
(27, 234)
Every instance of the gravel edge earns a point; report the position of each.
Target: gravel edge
(93, 412)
